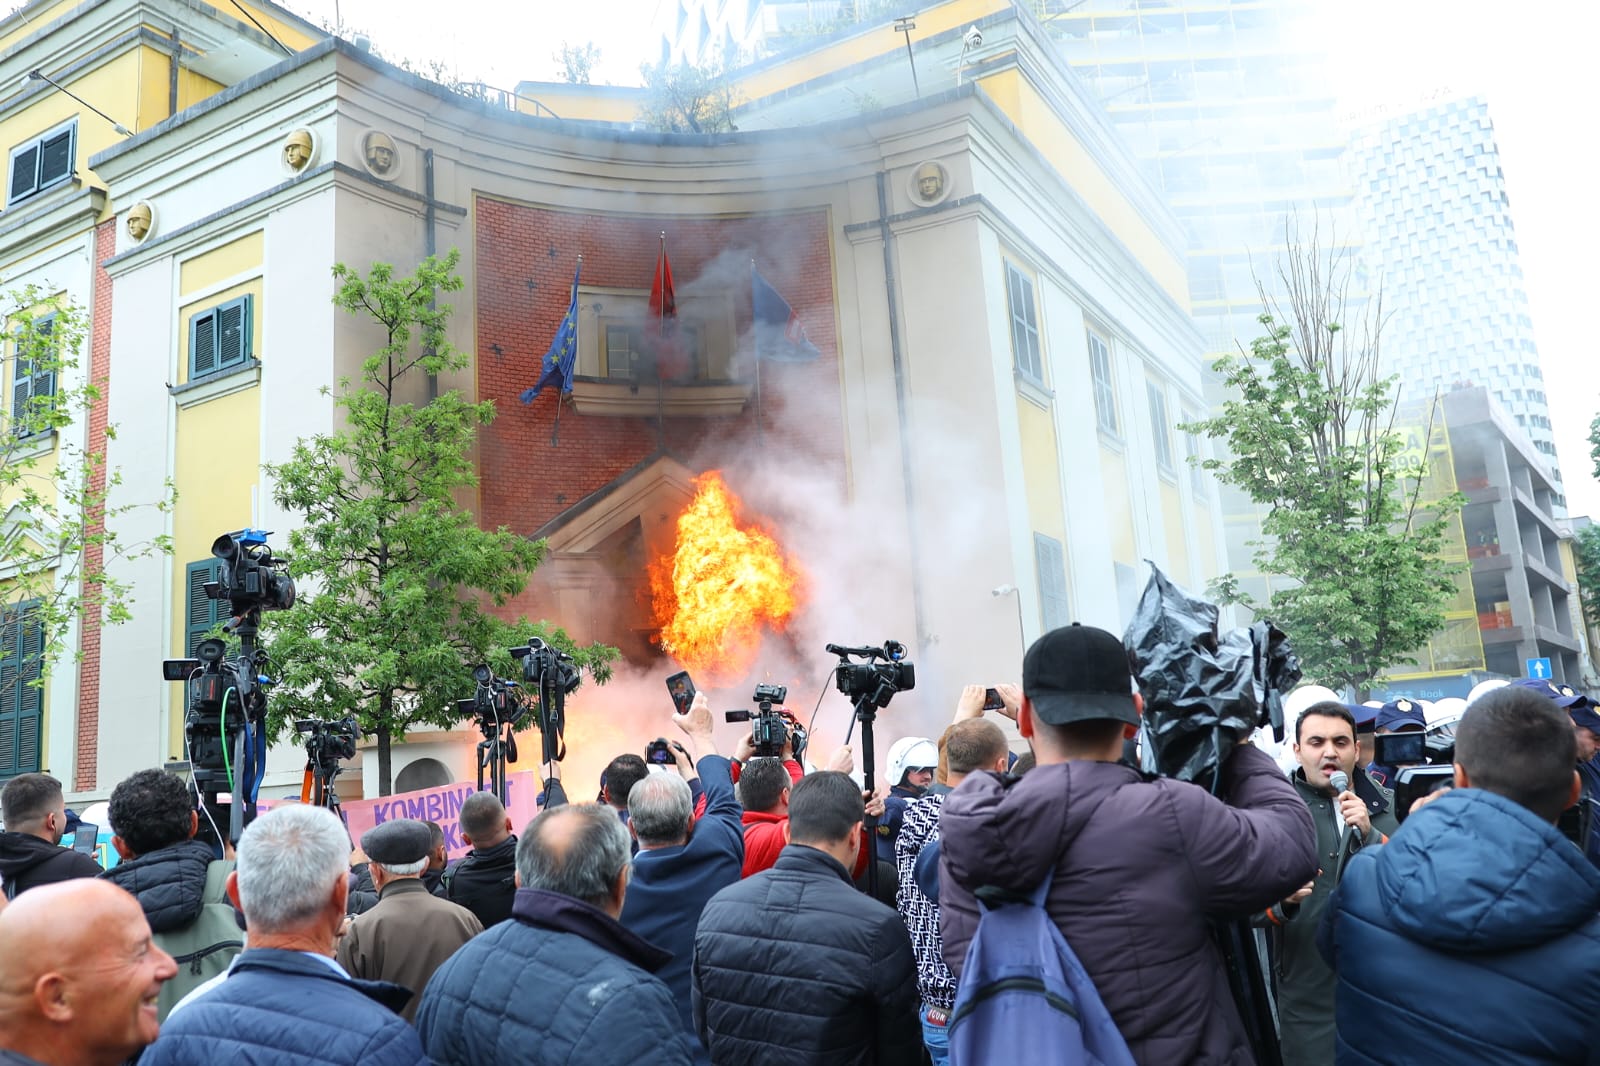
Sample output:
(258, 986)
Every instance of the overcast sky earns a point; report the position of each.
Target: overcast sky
(1537, 74)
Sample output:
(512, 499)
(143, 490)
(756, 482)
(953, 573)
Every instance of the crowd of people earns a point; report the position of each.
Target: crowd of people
(720, 911)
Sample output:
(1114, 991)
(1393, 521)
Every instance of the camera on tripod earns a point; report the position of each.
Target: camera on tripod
(329, 742)
(877, 680)
(553, 675)
(252, 579)
(772, 726)
(225, 722)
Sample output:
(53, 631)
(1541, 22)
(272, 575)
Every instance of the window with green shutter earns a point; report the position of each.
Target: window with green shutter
(21, 699)
(1051, 559)
(204, 614)
(42, 162)
(32, 381)
(219, 338)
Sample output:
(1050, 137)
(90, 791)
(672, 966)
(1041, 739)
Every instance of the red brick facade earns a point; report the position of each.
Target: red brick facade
(87, 763)
(525, 259)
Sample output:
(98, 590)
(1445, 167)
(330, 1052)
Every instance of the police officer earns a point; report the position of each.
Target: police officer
(410, 932)
(912, 761)
(1396, 716)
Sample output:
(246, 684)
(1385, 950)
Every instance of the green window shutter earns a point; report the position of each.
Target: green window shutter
(233, 332)
(1050, 557)
(21, 393)
(55, 158)
(44, 378)
(203, 612)
(24, 173)
(21, 704)
(202, 344)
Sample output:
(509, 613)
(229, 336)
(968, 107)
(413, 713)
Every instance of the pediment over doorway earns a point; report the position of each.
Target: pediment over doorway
(595, 579)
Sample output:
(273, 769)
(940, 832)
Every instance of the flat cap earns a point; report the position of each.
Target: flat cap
(397, 842)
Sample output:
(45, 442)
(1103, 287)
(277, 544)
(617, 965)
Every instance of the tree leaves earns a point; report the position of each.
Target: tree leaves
(62, 536)
(397, 578)
(1311, 437)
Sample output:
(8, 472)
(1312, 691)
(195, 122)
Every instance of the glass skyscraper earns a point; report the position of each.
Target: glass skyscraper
(1438, 236)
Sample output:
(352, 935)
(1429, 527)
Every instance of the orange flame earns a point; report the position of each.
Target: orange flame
(723, 585)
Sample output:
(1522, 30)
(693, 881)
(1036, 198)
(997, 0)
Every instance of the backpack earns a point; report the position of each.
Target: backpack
(205, 947)
(1024, 997)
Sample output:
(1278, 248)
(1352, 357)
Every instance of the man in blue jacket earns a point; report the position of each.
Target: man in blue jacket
(561, 983)
(682, 861)
(286, 1001)
(1473, 935)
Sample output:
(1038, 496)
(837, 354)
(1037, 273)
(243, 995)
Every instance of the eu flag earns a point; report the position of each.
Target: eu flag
(780, 338)
(562, 358)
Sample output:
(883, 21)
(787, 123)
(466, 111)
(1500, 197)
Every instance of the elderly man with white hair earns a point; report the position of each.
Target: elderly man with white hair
(682, 861)
(286, 1000)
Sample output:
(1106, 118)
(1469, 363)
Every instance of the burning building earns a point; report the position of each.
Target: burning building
(962, 428)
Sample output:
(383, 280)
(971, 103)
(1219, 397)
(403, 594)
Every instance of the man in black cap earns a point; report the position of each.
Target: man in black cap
(410, 933)
(1137, 866)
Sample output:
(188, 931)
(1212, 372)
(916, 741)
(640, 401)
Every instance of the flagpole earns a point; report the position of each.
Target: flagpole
(756, 333)
(661, 338)
(555, 430)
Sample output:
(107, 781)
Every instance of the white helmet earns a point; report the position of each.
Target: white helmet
(909, 753)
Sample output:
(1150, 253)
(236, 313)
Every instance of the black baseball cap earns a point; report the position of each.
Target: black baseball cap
(1077, 674)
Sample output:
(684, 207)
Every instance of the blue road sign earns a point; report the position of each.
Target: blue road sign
(1539, 669)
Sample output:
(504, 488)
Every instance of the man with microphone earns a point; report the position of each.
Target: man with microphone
(1351, 811)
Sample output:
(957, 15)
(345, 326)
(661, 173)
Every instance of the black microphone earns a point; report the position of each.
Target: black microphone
(1340, 781)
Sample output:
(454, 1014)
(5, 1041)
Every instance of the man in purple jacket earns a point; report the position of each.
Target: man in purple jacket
(1139, 865)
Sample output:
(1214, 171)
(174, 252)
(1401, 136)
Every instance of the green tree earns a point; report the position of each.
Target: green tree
(1586, 557)
(682, 98)
(60, 539)
(1310, 437)
(399, 576)
(577, 62)
(1586, 547)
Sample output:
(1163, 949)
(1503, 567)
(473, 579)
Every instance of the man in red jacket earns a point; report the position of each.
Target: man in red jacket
(764, 793)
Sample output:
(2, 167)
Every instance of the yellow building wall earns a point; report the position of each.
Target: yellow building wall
(861, 47)
(43, 16)
(1206, 542)
(1118, 507)
(1177, 544)
(291, 34)
(580, 103)
(209, 504)
(1023, 105)
(114, 88)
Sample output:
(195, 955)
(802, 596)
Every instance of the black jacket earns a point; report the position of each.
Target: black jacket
(484, 882)
(794, 966)
(169, 883)
(27, 862)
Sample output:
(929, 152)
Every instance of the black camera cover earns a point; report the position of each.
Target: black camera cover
(1203, 691)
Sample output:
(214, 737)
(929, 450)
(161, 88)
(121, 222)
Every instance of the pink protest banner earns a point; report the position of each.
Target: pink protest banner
(442, 805)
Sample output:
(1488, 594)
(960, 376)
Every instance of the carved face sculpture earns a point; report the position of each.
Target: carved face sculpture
(139, 218)
(297, 150)
(930, 181)
(380, 153)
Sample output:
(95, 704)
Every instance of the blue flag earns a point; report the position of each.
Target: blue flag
(562, 358)
(780, 338)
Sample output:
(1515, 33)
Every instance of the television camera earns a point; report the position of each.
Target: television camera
(773, 726)
(328, 744)
(1423, 760)
(549, 675)
(225, 722)
(870, 685)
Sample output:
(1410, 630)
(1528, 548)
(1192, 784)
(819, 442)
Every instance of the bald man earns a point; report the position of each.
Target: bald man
(81, 977)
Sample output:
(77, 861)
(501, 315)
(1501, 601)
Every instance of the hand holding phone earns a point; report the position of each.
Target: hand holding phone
(681, 687)
(992, 700)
